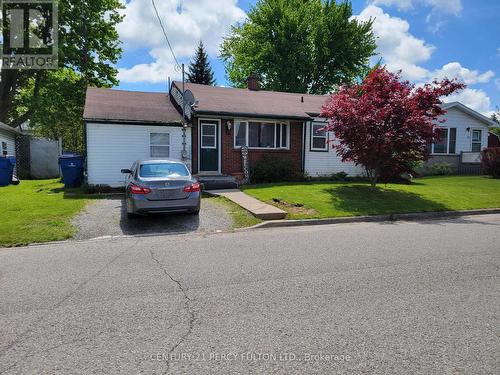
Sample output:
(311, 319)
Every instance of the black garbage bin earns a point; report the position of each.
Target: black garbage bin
(7, 164)
(72, 170)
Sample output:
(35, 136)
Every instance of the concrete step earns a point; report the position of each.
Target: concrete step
(217, 182)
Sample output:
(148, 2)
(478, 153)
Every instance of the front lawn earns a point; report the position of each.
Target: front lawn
(336, 199)
(37, 211)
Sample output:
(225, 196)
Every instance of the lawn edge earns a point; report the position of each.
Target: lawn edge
(414, 216)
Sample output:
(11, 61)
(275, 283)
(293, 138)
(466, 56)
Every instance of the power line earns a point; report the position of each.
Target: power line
(165, 33)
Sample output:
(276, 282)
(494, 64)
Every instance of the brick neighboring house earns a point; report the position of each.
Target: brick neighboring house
(224, 119)
(123, 126)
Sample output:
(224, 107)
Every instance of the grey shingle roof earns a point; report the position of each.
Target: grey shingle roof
(129, 106)
(244, 102)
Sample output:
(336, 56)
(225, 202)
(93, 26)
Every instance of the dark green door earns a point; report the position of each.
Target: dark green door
(209, 146)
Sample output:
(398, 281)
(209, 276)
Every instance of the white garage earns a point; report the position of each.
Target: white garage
(124, 126)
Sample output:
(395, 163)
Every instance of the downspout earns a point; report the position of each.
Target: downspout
(184, 154)
(303, 149)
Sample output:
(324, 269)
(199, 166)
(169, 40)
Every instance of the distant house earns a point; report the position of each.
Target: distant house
(8, 139)
(122, 126)
(464, 136)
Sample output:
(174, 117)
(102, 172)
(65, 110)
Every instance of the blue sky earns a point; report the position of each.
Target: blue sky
(424, 38)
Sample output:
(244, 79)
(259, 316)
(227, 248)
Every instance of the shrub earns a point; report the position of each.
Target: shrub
(490, 161)
(440, 169)
(273, 169)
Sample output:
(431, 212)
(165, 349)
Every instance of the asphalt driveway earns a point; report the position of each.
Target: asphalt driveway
(108, 217)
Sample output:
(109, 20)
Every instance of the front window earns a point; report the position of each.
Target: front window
(447, 143)
(159, 144)
(261, 134)
(163, 170)
(319, 137)
(4, 148)
(476, 140)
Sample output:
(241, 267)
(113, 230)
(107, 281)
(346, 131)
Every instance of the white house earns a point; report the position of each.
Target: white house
(465, 135)
(8, 140)
(122, 127)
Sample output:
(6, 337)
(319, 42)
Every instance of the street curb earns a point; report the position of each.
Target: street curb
(376, 218)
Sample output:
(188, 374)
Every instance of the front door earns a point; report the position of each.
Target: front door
(209, 145)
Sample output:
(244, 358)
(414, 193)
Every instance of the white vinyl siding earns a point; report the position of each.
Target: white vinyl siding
(7, 139)
(455, 118)
(327, 162)
(112, 147)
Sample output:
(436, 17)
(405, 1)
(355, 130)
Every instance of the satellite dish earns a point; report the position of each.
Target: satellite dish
(188, 98)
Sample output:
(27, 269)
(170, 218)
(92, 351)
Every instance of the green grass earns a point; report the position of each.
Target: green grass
(241, 217)
(37, 211)
(336, 199)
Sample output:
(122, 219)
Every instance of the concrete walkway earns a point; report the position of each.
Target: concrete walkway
(257, 208)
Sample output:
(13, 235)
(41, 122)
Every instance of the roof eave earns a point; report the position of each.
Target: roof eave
(250, 115)
(471, 112)
(131, 122)
(9, 128)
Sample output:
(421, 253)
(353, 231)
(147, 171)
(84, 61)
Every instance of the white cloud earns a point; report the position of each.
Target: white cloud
(435, 19)
(473, 98)
(207, 20)
(446, 6)
(469, 77)
(400, 50)
(396, 45)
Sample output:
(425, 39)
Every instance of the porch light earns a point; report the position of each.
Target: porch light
(229, 125)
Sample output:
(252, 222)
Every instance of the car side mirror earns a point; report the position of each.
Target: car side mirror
(126, 171)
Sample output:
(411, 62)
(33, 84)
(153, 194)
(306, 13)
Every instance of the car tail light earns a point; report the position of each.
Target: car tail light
(136, 189)
(192, 188)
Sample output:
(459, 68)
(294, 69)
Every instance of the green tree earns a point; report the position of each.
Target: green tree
(58, 111)
(89, 46)
(298, 46)
(200, 70)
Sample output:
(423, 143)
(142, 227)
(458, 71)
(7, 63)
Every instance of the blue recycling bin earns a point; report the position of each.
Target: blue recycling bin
(72, 170)
(7, 164)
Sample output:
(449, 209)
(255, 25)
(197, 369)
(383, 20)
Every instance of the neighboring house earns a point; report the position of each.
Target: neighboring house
(465, 135)
(122, 126)
(8, 139)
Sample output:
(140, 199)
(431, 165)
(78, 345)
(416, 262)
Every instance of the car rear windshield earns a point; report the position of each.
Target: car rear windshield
(163, 170)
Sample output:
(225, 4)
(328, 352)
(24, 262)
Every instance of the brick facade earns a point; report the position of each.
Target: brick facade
(231, 158)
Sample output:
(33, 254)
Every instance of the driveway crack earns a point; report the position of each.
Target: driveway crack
(191, 317)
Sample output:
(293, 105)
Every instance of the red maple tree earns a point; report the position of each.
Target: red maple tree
(385, 123)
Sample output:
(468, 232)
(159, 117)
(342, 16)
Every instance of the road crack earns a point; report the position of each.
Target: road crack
(187, 307)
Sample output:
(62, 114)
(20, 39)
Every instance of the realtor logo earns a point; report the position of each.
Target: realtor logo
(29, 34)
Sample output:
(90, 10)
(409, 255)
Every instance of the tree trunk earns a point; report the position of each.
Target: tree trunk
(8, 84)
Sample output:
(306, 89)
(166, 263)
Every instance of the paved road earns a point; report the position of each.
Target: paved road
(405, 298)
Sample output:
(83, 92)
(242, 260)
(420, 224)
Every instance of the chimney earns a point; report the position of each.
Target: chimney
(253, 82)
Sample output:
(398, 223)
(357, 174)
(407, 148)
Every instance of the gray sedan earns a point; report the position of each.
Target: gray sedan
(161, 186)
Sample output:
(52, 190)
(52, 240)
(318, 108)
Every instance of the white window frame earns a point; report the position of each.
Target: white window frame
(312, 136)
(214, 136)
(277, 144)
(447, 141)
(480, 139)
(151, 145)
